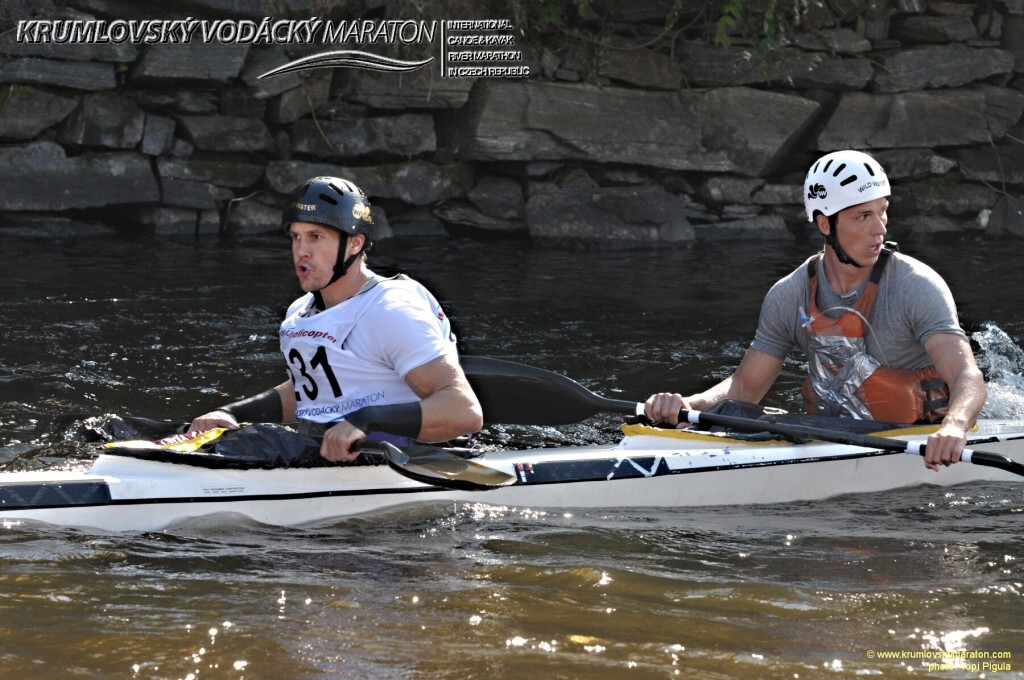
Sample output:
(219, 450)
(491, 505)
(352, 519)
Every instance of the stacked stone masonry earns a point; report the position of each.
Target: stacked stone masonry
(638, 135)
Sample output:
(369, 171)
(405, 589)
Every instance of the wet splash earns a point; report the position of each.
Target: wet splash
(1002, 361)
(74, 442)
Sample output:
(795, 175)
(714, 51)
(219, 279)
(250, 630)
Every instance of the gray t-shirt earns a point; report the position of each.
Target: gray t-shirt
(913, 303)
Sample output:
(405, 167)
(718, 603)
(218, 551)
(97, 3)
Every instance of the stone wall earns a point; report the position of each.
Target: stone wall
(625, 132)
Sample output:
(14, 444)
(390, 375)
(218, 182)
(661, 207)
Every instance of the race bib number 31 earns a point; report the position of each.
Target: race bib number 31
(306, 382)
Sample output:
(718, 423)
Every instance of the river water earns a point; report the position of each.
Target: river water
(166, 328)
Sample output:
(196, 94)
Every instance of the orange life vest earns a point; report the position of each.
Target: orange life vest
(893, 395)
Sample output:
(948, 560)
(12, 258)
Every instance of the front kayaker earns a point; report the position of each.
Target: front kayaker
(879, 329)
(365, 355)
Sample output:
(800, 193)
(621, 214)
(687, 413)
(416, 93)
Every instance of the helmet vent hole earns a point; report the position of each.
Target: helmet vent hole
(868, 168)
(835, 173)
(848, 180)
(328, 199)
(827, 165)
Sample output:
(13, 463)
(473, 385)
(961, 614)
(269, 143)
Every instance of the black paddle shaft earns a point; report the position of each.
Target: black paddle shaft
(986, 458)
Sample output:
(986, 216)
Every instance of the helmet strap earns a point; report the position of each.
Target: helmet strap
(340, 269)
(832, 240)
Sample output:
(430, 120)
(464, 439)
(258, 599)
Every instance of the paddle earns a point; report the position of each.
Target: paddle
(514, 393)
(440, 467)
(421, 462)
(769, 424)
(517, 393)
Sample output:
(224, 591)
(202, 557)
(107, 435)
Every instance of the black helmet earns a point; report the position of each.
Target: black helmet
(332, 202)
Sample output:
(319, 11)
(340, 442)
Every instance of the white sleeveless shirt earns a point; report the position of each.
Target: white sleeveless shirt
(357, 353)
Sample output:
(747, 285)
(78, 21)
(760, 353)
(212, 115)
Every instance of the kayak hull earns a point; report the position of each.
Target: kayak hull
(127, 494)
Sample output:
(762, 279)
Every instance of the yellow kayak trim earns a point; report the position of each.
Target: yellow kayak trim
(926, 428)
(693, 435)
(696, 435)
(181, 443)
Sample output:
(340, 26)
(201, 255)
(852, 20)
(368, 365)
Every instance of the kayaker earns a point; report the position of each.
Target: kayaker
(879, 329)
(365, 355)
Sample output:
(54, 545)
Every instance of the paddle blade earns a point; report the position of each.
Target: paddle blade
(432, 465)
(517, 394)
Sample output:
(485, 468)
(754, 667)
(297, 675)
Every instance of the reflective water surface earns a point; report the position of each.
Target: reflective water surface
(880, 584)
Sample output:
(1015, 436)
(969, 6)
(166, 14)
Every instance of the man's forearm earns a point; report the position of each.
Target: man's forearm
(966, 399)
(450, 412)
(265, 407)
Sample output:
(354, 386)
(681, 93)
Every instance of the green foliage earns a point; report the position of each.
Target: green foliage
(544, 15)
(732, 12)
(548, 14)
(766, 23)
(12, 92)
(933, 187)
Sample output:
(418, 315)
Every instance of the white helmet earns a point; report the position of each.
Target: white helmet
(841, 179)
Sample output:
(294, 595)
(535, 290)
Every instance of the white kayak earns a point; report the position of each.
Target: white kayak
(649, 467)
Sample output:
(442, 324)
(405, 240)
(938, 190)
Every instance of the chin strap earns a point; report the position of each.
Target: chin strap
(832, 241)
(342, 269)
(339, 271)
(318, 301)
